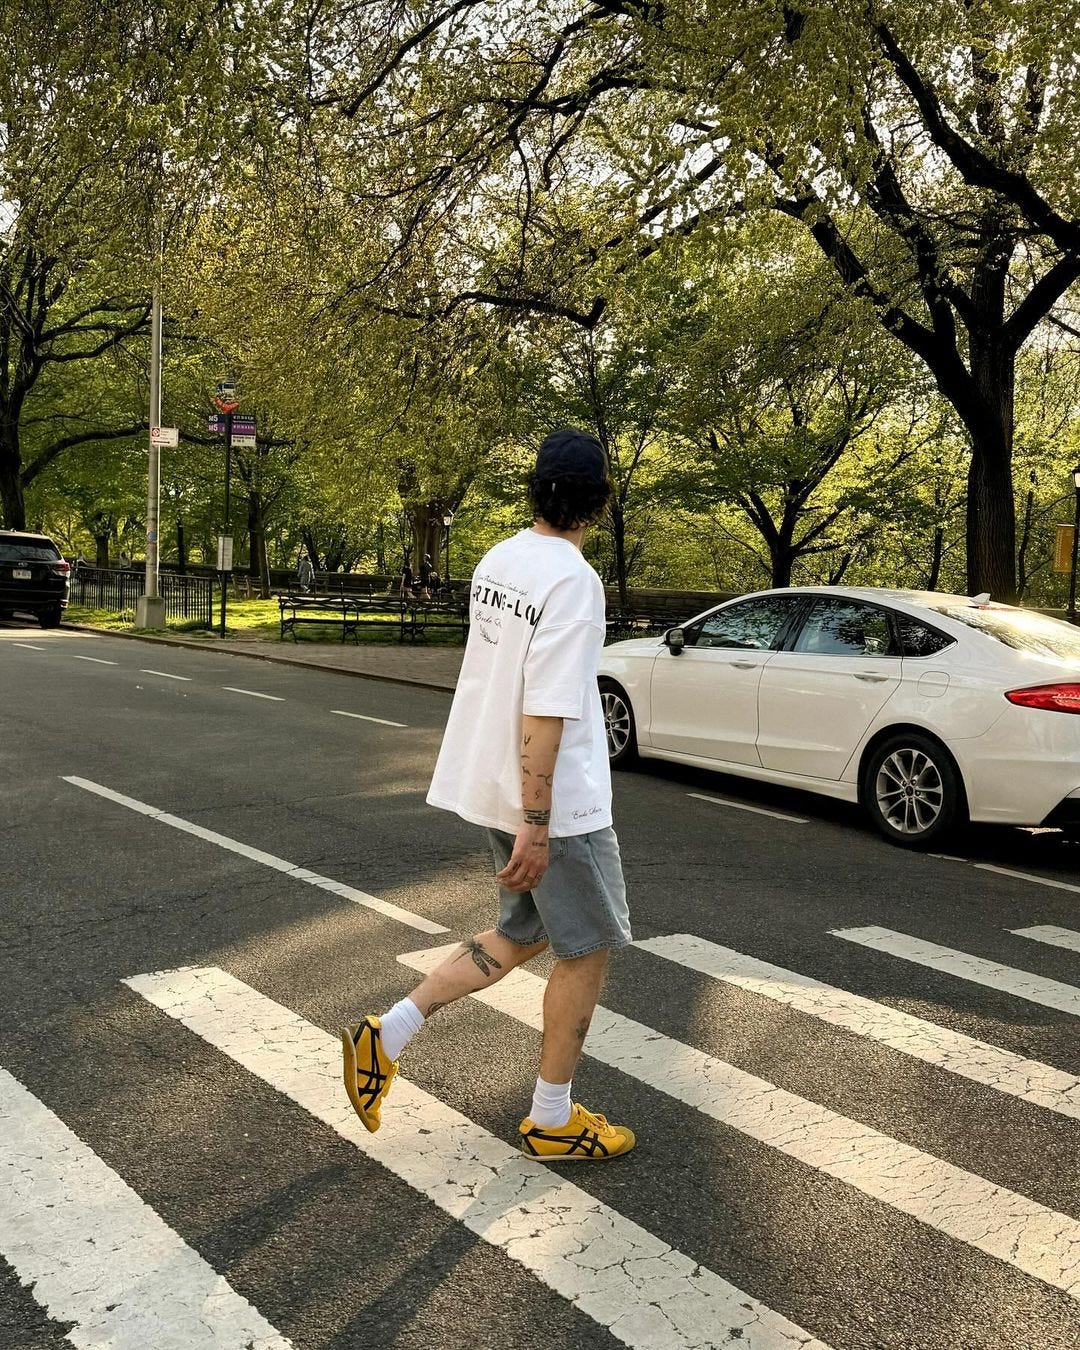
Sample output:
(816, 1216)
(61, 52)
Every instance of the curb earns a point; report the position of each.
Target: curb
(260, 656)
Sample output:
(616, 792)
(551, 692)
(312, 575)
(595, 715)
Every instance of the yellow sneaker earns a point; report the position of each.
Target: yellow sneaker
(586, 1137)
(368, 1072)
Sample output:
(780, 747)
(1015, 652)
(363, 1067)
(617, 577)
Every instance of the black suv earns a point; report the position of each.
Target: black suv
(33, 577)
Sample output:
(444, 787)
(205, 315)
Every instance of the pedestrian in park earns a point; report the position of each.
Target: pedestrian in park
(524, 755)
(305, 573)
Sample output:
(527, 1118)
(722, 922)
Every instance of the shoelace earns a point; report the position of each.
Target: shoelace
(595, 1121)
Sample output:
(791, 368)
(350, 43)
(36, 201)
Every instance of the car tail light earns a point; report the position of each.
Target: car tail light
(62, 567)
(1050, 697)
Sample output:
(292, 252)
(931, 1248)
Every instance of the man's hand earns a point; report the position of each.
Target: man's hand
(529, 860)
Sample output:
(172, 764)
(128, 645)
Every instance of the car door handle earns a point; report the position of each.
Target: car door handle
(870, 679)
(744, 665)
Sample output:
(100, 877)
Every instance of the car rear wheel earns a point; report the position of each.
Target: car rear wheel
(618, 725)
(51, 616)
(912, 790)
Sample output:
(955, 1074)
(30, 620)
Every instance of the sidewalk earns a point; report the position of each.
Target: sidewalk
(404, 663)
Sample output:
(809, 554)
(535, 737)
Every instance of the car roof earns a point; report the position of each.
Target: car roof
(887, 594)
(24, 537)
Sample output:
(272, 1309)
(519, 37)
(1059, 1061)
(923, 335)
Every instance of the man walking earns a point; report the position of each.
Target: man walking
(525, 756)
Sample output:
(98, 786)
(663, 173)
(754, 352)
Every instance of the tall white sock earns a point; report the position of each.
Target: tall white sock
(399, 1026)
(551, 1103)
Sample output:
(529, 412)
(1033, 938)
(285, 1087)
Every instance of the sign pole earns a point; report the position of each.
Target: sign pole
(150, 610)
(228, 513)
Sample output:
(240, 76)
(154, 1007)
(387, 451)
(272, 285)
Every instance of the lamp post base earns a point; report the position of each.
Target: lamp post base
(150, 612)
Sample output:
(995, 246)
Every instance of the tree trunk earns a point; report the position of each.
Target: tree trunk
(101, 544)
(380, 548)
(937, 555)
(181, 547)
(618, 539)
(1025, 540)
(257, 563)
(11, 489)
(426, 530)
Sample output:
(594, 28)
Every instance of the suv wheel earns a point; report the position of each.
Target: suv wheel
(50, 617)
(912, 790)
(618, 725)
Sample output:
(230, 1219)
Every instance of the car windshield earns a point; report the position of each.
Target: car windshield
(1020, 629)
(27, 552)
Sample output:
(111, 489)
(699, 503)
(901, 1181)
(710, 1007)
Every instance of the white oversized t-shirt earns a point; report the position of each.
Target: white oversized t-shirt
(535, 638)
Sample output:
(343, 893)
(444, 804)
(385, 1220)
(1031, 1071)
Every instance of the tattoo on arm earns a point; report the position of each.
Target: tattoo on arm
(435, 1008)
(535, 817)
(482, 959)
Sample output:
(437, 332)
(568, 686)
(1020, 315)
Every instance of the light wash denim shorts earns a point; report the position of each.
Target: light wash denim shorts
(579, 905)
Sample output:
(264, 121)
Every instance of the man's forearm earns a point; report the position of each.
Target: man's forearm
(540, 741)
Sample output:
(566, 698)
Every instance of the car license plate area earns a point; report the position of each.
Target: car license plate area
(21, 574)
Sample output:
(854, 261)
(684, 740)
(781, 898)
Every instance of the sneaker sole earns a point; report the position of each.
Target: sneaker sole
(577, 1157)
(371, 1123)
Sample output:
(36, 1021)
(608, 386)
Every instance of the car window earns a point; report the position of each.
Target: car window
(919, 639)
(1021, 629)
(28, 552)
(845, 628)
(751, 625)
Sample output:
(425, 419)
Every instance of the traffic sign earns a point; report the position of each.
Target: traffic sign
(225, 399)
(243, 442)
(224, 553)
(165, 438)
(215, 424)
(243, 424)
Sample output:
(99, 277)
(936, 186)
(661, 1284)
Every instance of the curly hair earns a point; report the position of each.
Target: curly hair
(565, 503)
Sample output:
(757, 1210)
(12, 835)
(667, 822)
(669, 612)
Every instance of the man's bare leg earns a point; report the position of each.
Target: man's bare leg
(569, 1003)
(481, 961)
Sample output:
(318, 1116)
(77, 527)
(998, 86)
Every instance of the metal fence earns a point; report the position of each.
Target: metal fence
(118, 591)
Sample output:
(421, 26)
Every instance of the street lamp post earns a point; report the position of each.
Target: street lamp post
(448, 520)
(1076, 542)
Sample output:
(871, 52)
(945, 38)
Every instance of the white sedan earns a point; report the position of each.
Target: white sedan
(927, 709)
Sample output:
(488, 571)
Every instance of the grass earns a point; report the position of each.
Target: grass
(259, 621)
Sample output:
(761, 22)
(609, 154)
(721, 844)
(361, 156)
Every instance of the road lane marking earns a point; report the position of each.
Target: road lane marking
(251, 693)
(97, 1255)
(1001, 1223)
(623, 1277)
(1052, 935)
(745, 806)
(362, 717)
(1020, 983)
(1028, 876)
(1027, 1079)
(29, 646)
(297, 873)
(97, 660)
(165, 675)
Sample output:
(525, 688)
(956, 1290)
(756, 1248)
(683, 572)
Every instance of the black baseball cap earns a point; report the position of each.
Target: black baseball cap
(572, 453)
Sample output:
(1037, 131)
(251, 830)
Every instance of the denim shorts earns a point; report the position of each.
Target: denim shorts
(579, 905)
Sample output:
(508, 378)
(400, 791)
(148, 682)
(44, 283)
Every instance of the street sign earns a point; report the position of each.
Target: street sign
(243, 424)
(165, 438)
(225, 399)
(1063, 545)
(215, 424)
(224, 552)
(243, 442)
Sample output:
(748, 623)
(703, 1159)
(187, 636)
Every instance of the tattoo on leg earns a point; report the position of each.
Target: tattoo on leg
(582, 1028)
(481, 958)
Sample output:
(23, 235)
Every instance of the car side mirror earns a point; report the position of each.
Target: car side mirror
(675, 640)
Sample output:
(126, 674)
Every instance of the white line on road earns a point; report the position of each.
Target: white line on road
(97, 660)
(1052, 935)
(1019, 983)
(1027, 1079)
(165, 675)
(29, 646)
(340, 712)
(297, 873)
(1001, 1223)
(97, 1255)
(1029, 876)
(745, 806)
(251, 693)
(646, 1293)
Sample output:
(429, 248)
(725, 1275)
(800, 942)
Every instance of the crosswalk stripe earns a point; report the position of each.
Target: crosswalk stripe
(405, 916)
(1052, 935)
(100, 1257)
(645, 1292)
(1028, 876)
(1002, 1070)
(1020, 983)
(1003, 1224)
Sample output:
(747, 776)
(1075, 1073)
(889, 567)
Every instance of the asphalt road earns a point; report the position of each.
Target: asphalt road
(873, 1136)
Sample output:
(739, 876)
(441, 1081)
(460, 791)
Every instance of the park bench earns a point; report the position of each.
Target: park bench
(441, 611)
(344, 612)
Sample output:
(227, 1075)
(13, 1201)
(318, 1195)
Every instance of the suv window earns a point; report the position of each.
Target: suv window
(846, 628)
(751, 625)
(12, 552)
(918, 639)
